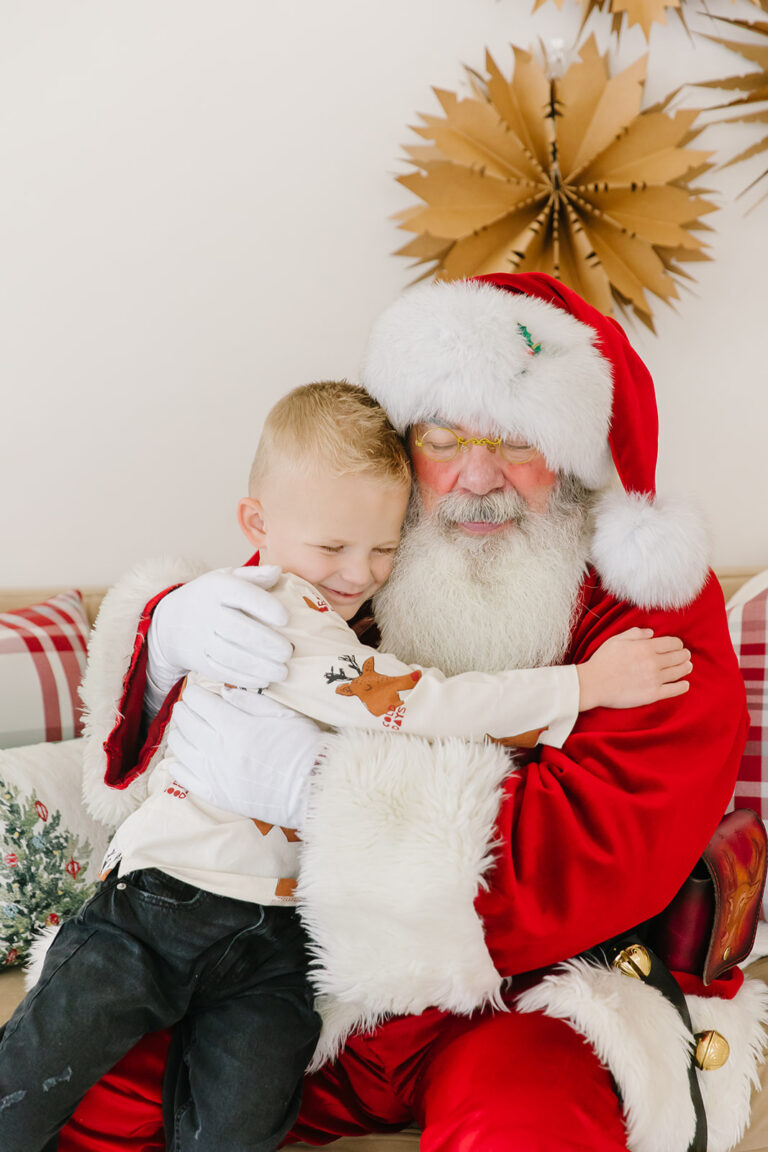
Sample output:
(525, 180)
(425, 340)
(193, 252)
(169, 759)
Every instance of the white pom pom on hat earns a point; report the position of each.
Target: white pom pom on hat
(649, 550)
(525, 356)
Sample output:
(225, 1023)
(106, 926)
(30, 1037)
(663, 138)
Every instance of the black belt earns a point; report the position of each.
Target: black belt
(621, 952)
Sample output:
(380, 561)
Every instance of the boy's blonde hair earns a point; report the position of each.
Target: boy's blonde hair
(336, 423)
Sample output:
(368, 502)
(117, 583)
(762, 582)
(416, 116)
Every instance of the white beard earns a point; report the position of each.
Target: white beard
(489, 603)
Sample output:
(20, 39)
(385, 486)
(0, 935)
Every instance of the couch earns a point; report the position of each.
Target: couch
(11, 980)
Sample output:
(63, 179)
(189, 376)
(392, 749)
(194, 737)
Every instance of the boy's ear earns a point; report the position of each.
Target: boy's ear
(250, 517)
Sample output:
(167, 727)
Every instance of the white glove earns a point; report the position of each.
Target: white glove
(220, 625)
(244, 753)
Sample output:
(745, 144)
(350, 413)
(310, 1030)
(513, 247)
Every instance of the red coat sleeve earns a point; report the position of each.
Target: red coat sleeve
(132, 743)
(599, 835)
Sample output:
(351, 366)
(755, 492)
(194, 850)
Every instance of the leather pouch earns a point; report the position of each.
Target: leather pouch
(710, 925)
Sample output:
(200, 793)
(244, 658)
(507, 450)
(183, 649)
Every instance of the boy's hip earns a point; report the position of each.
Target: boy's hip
(198, 936)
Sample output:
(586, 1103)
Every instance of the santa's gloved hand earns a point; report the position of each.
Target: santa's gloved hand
(244, 753)
(221, 625)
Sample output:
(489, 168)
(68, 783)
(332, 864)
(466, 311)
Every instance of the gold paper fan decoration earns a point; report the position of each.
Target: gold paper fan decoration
(752, 86)
(646, 13)
(565, 176)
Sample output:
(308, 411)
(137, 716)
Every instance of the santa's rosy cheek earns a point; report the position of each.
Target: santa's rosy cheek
(433, 478)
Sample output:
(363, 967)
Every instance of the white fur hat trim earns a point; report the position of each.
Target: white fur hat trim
(454, 351)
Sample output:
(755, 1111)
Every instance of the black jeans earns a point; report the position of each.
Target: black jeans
(145, 952)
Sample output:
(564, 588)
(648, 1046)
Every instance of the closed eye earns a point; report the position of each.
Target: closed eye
(386, 551)
(330, 547)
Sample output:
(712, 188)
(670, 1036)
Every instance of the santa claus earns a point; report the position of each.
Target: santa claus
(446, 892)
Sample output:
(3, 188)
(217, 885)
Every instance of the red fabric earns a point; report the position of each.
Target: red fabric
(129, 748)
(599, 835)
(724, 988)
(123, 1112)
(470, 1083)
(634, 431)
(495, 1083)
(596, 837)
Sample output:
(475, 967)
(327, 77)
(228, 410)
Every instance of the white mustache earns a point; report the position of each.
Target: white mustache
(493, 508)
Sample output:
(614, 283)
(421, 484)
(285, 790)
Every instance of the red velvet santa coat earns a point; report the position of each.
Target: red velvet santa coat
(492, 872)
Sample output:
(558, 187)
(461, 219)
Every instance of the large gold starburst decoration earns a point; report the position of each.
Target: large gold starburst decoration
(646, 13)
(566, 176)
(751, 86)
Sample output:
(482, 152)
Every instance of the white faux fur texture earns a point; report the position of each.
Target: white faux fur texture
(454, 351)
(41, 942)
(653, 553)
(638, 1035)
(396, 843)
(726, 1091)
(109, 656)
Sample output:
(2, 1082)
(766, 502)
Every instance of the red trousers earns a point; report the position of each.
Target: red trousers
(501, 1082)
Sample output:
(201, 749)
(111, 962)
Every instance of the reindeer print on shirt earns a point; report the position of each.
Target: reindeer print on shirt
(379, 693)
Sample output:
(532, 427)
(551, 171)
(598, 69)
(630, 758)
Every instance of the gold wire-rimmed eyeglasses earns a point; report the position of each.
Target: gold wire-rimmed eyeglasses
(444, 444)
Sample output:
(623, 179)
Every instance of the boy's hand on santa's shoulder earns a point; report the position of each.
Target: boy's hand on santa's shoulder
(223, 626)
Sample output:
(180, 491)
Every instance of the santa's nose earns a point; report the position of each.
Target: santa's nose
(480, 471)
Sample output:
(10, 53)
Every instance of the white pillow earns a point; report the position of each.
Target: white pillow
(50, 847)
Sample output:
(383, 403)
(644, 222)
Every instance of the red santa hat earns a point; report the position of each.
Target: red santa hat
(524, 356)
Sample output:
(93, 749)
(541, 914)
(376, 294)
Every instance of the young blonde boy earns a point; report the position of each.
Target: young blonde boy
(196, 914)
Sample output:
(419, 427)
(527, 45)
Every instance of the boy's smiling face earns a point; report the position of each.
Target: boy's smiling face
(338, 532)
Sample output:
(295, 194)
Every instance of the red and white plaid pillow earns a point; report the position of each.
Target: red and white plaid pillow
(748, 624)
(42, 657)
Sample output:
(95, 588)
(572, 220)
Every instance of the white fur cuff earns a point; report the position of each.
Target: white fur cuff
(396, 843)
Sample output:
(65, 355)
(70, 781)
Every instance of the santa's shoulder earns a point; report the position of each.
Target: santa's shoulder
(598, 608)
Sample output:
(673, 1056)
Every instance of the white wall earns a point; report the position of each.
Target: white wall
(194, 217)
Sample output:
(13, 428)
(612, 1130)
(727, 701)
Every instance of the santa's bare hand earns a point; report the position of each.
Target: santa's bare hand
(634, 668)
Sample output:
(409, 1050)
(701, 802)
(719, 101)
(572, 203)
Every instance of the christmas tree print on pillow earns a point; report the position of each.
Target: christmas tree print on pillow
(42, 872)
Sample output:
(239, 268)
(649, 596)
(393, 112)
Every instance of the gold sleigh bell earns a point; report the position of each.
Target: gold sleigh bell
(633, 961)
(712, 1049)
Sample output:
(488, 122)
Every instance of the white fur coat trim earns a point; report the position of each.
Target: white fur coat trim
(38, 950)
(639, 1036)
(396, 843)
(454, 351)
(727, 1091)
(109, 657)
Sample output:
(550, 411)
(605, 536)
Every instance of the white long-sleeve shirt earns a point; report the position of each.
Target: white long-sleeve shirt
(339, 682)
